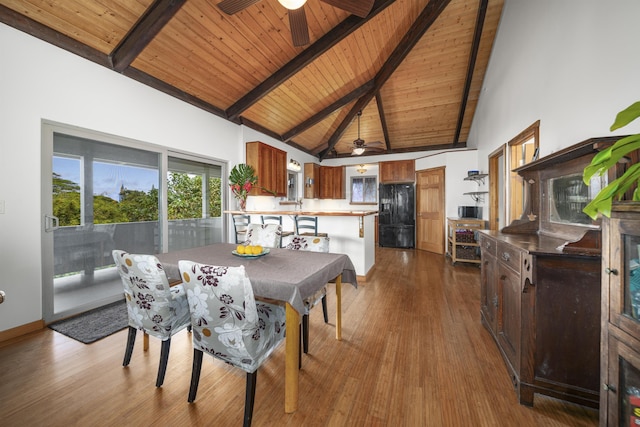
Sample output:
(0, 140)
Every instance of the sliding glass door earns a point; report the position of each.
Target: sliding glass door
(194, 204)
(105, 193)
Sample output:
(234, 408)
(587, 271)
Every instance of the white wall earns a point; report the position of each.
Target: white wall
(572, 64)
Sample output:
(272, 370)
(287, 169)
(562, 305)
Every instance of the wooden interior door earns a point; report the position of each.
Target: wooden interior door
(430, 210)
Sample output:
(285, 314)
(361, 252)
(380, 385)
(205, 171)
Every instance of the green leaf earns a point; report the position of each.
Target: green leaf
(626, 116)
(606, 159)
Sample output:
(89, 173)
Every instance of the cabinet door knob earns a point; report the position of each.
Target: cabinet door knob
(607, 387)
(506, 256)
(611, 271)
(495, 301)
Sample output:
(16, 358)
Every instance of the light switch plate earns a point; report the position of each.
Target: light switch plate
(1, 206)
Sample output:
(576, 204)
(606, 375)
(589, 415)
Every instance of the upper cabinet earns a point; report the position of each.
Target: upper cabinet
(270, 165)
(397, 171)
(332, 182)
(311, 181)
(324, 182)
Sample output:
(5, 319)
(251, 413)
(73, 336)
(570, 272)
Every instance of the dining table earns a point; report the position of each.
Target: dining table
(282, 275)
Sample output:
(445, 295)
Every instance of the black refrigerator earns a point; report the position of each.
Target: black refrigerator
(396, 216)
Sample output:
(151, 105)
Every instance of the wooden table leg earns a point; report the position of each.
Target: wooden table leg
(339, 307)
(292, 343)
(145, 341)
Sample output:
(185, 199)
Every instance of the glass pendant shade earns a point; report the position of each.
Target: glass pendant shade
(292, 4)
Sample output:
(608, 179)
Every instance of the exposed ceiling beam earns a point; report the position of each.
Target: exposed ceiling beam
(140, 35)
(477, 35)
(321, 115)
(427, 17)
(383, 121)
(37, 30)
(307, 56)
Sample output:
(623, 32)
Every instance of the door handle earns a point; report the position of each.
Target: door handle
(51, 223)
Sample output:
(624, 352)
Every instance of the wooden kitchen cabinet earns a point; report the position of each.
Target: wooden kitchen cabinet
(620, 353)
(270, 164)
(397, 171)
(311, 181)
(332, 182)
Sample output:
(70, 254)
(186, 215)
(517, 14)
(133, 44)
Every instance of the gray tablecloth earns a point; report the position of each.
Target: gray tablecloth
(283, 274)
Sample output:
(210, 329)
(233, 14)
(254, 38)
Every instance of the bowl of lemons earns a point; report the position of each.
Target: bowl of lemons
(250, 251)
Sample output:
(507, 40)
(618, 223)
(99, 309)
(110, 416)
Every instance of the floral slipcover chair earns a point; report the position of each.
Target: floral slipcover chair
(228, 324)
(152, 306)
(265, 235)
(312, 244)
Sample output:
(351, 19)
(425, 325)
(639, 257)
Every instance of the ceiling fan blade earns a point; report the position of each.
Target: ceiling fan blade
(374, 143)
(232, 6)
(299, 28)
(359, 8)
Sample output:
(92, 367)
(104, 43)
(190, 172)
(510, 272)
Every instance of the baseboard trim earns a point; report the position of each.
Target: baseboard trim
(21, 330)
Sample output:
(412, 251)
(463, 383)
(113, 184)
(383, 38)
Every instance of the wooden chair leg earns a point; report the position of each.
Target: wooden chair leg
(131, 340)
(305, 333)
(195, 374)
(324, 309)
(250, 397)
(164, 358)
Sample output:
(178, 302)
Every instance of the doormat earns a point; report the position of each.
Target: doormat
(95, 324)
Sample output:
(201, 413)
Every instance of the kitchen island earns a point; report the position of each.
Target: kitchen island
(351, 232)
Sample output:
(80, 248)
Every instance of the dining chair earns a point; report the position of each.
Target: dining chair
(266, 235)
(229, 324)
(312, 244)
(152, 305)
(307, 223)
(276, 219)
(240, 224)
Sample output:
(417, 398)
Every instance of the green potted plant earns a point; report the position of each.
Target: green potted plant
(606, 159)
(241, 180)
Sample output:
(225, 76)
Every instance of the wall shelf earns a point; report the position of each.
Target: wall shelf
(479, 178)
(477, 196)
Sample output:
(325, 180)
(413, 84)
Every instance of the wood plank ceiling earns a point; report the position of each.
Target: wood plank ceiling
(414, 68)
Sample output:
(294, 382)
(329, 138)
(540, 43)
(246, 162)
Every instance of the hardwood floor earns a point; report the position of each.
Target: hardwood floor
(414, 353)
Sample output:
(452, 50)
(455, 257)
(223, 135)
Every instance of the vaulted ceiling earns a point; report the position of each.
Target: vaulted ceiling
(413, 68)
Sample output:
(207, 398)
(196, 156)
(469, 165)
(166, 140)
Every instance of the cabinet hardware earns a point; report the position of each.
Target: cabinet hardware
(494, 300)
(608, 387)
(613, 271)
(505, 256)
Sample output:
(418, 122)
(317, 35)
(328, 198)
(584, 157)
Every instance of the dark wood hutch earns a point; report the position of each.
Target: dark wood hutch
(540, 282)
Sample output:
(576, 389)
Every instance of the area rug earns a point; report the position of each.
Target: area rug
(95, 324)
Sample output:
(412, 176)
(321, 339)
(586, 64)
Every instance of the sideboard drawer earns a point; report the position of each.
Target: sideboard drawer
(509, 256)
(488, 245)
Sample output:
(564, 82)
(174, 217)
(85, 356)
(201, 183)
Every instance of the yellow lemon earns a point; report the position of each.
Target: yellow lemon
(257, 250)
(240, 249)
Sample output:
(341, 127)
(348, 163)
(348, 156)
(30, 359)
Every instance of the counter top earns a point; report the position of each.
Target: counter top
(305, 213)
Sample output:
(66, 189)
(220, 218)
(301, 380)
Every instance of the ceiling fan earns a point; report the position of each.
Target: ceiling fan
(359, 146)
(297, 17)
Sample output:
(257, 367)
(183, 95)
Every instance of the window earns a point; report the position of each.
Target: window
(522, 150)
(364, 189)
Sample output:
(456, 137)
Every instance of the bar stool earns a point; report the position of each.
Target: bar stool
(240, 224)
(276, 219)
(308, 223)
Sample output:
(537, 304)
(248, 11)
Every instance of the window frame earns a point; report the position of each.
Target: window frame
(521, 152)
(363, 178)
